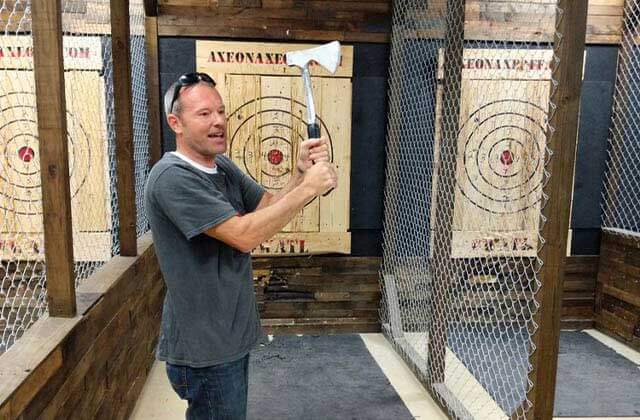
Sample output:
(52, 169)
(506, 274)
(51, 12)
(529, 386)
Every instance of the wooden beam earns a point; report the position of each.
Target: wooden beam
(123, 106)
(571, 23)
(153, 90)
(54, 156)
(443, 266)
(151, 8)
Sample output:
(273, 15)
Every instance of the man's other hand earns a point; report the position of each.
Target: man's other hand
(312, 151)
(321, 177)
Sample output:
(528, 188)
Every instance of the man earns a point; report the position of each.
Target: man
(206, 216)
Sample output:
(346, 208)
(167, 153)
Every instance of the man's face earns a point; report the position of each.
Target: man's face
(201, 123)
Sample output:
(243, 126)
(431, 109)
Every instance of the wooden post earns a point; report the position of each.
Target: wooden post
(151, 8)
(54, 156)
(571, 23)
(123, 106)
(443, 267)
(153, 89)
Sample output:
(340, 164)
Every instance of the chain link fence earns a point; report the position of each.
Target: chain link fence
(22, 270)
(92, 162)
(621, 204)
(466, 162)
(141, 153)
(90, 125)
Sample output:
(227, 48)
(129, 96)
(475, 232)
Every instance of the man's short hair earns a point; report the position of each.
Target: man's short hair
(171, 101)
(168, 97)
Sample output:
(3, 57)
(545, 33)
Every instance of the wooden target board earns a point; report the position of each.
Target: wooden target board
(21, 228)
(500, 153)
(266, 113)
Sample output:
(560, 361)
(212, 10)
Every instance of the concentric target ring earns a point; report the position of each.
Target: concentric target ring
(283, 147)
(19, 152)
(503, 152)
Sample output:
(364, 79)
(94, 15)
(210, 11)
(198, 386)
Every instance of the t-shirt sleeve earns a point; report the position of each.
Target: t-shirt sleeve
(192, 203)
(252, 192)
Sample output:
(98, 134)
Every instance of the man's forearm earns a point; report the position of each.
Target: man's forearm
(295, 180)
(250, 230)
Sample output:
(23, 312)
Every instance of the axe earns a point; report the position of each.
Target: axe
(328, 56)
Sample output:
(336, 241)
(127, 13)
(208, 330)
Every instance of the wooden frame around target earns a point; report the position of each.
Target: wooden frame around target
(21, 230)
(501, 152)
(266, 113)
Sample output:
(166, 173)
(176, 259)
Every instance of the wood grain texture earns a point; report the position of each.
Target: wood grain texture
(267, 107)
(318, 295)
(93, 365)
(153, 90)
(359, 21)
(445, 268)
(617, 310)
(54, 157)
(562, 141)
(123, 109)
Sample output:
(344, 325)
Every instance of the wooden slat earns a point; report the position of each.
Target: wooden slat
(320, 295)
(327, 263)
(355, 21)
(123, 109)
(622, 295)
(570, 49)
(153, 90)
(582, 264)
(34, 355)
(54, 157)
(320, 325)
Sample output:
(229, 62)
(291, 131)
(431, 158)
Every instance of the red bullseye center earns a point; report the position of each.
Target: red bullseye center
(275, 156)
(506, 157)
(26, 154)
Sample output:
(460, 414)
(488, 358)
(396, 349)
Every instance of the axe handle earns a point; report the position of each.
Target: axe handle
(313, 130)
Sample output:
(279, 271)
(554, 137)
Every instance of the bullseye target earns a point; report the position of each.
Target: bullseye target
(265, 136)
(266, 125)
(21, 220)
(502, 148)
(500, 153)
(20, 154)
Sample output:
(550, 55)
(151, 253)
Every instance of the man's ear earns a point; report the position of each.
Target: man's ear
(174, 122)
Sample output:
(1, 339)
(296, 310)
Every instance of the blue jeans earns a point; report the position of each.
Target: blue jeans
(214, 393)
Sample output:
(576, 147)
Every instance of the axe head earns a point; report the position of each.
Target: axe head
(327, 55)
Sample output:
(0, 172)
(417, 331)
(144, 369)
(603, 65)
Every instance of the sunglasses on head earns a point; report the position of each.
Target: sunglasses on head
(189, 79)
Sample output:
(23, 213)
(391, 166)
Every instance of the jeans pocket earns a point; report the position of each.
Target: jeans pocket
(178, 379)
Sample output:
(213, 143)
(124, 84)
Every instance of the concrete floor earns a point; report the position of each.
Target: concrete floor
(158, 401)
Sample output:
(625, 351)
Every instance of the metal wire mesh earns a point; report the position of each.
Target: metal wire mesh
(621, 204)
(92, 163)
(22, 269)
(140, 110)
(90, 123)
(466, 163)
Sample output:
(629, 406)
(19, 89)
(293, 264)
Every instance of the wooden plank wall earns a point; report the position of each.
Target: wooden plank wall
(578, 296)
(618, 288)
(365, 21)
(318, 295)
(327, 295)
(93, 365)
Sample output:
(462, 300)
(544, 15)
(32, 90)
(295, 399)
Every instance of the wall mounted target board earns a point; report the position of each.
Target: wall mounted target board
(266, 113)
(20, 193)
(501, 152)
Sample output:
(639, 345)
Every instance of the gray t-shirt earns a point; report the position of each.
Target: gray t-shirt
(209, 315)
